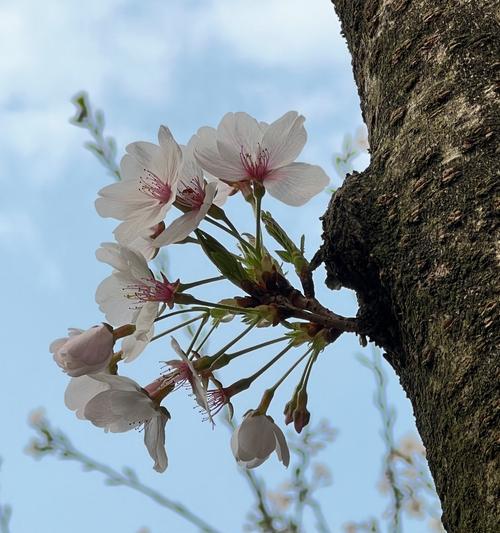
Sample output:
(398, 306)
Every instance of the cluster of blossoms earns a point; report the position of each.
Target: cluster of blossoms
(240, 156)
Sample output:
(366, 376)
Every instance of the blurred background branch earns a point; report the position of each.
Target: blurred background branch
(5, 515)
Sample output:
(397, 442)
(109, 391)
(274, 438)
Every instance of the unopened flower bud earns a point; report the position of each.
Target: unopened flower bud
(84, 352)
(301, 415)
(288, 411)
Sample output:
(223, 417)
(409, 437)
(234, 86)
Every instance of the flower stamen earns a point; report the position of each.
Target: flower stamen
(154, 187)
(153, 290)
(192, 194)
(256, 167)
(217, 399)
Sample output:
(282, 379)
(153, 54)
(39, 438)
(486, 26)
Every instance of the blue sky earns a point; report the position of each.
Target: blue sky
(183, 64)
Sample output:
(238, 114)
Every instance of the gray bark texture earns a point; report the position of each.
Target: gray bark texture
(414, 234)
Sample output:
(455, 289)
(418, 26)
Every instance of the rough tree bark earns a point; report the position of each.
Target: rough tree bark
(413, 234)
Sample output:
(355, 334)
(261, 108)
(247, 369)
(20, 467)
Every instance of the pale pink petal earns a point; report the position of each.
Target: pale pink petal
(134, 345)
(181, 227)
(154, 439)
(112, 302)
(234, 441)
(282, 450)
(134, 226)
(136, 263)
(296, 183)
(169, 161)
(232, 157)
(207, 154)
(190, 167)
(254, 438)
(284, 139)
(144, 153)
(144, 246)
(79, 392)
(131, 168)
(118, 411)
(117, 382)
(240, 131)
(223, 190)
(121, 199)
(110, 253)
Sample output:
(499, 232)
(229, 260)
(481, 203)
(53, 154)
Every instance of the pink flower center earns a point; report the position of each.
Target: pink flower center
(153, 186)
(153, 290)
(180, 374)
(256, 166)
(217, 399)
(192, 195)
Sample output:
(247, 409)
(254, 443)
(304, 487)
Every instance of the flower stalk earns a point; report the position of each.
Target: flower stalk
(179, 326)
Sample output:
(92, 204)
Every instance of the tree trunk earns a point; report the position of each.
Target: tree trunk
(413, 234)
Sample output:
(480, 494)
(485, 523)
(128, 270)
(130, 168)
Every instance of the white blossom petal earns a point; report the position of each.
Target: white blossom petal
(284, 139)
(145, 153)
(181, 227)
(154, 439)
(112, 302)
(110, 253)
(134, 345)
(80, 391)
(119, 410)
(139, 221)
(296, 183)
(171, 157)
(256, 438)
(131, 168)
(207, 154)
(282, 450)
(240, 131)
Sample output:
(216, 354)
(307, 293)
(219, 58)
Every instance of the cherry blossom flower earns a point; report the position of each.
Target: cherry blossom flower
(184, 372)
(218, 398)
(84, 352)
(195, 196)
(244, 150)
(147, 189)
(132, 295)
(256, 438)
(124, 405)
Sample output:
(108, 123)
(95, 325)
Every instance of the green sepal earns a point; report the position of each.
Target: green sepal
(226, 262)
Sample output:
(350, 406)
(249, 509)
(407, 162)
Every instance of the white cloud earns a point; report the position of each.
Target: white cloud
(52, 49)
